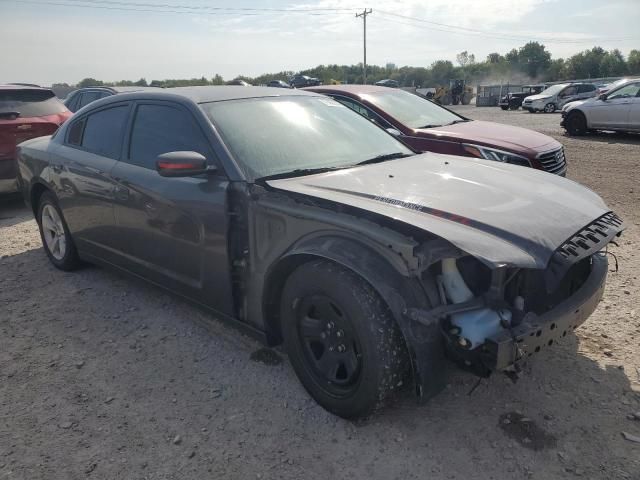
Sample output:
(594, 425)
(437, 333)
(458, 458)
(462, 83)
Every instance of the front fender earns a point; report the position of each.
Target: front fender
(400, 292)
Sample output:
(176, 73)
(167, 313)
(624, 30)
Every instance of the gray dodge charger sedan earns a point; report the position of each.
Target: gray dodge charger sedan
(300, 221)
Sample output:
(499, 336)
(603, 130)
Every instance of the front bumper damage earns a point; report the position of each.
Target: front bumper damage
(506, 350)
(535, 333)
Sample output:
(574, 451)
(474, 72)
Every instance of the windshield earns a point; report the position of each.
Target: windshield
(30, 103)
(554, 89)
(272, 136)
(410, 109)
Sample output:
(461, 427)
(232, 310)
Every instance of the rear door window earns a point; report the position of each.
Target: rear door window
(103, 130)
(159, 129)
(586, 88)
(30, 102)
(87, 97)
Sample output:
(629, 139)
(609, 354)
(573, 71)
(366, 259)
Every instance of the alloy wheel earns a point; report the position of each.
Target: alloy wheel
(53, 230)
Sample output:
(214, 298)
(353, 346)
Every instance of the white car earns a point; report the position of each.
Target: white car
(556, 96)
(618, 109)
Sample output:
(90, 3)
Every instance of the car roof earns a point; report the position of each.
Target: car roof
(116, 89)
(353, 89)
(15, 86)
(217, 93)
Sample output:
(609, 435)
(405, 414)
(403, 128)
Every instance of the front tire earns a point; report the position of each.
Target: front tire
(576, 124)
(56, 239)
(342, 340)
(550, 108)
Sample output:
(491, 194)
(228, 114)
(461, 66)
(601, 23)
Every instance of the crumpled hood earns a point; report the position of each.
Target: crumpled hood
(502, 214)
(496, 135)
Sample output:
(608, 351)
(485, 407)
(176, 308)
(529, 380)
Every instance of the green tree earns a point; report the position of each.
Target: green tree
(464, 59)
(633, 62)
(495, 58)
(534, 59)
(442, 71)
(557, 70)
(217, 80)
(89, 82)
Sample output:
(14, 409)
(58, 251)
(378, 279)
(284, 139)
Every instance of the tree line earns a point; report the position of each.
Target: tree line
(530, 63)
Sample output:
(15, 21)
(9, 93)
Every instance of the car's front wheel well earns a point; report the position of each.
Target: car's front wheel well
(275, 282)
(36, 193)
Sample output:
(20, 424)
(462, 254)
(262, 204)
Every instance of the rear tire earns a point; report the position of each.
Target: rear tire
(576, 124)
(504, 107)
(56, 239)
(342, 340)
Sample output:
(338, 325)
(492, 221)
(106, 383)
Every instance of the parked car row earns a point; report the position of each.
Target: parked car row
(556, 96)
(616, 109)
(306, 224)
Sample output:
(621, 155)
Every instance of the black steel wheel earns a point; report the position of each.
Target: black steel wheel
(575, 123)
(341, 339)
(329, 344)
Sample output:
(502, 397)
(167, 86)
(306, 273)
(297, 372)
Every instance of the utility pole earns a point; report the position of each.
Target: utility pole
(364, 14)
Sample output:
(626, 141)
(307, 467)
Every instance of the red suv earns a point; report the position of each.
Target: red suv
(25, 112)
(428, 127)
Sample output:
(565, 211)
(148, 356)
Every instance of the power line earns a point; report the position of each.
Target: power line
(119, 6)
(206, 7)
(484, 33)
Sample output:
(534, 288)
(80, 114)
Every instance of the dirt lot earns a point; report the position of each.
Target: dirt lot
(104, 377)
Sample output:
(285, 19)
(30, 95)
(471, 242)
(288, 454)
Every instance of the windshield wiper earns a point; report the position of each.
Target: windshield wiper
(10, 115)
(382, 158)
(459, 121)
(431, 126)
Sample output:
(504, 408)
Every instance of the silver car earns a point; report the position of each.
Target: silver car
(617, 109)
(556, 96)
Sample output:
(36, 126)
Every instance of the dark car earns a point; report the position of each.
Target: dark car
(387, 83)
(428, 127)
(25, 112)
(513, 100)
(301, 81)
(84, 96)
(289, 215)
(278, 84)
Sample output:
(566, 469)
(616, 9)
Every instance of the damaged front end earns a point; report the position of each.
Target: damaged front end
(493, 319)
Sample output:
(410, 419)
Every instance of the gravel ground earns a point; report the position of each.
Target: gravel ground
(103, 376)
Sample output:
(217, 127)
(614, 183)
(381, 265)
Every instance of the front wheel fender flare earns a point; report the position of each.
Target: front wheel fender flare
(400, 293)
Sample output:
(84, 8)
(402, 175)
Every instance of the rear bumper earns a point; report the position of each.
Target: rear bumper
(508, 348)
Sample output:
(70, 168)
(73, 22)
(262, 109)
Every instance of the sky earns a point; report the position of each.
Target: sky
(51, 41)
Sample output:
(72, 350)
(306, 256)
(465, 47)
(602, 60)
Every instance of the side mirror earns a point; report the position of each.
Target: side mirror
(182, 164)
(602, 96)
(394, 132)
